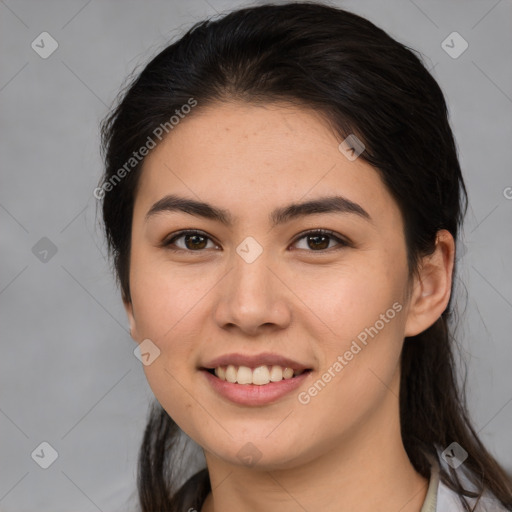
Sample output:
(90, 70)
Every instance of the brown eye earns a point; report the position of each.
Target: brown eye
(192, 241)
(195, 242)
(320, 240)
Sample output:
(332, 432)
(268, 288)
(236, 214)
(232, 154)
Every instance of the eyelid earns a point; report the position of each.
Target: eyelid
(341, 240)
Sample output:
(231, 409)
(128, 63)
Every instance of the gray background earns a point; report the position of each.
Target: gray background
(68, 373)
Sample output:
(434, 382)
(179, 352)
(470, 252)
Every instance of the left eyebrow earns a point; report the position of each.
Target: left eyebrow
(331, 204)
(281, 215)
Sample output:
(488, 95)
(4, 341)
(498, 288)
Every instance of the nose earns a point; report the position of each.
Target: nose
(252, 299)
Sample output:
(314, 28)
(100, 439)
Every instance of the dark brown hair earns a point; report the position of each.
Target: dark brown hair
(364, 83)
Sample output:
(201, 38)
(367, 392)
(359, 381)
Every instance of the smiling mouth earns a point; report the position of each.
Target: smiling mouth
(258, 376)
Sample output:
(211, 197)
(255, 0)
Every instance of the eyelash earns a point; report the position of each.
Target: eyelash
(169, 242)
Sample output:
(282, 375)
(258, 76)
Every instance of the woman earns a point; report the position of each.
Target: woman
(282, 197)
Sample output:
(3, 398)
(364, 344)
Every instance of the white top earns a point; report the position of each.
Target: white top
(440, 498)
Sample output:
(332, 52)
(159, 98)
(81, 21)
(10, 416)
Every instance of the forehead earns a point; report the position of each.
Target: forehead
(252, 156)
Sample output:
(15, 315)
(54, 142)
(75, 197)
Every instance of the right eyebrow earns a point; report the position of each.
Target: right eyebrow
(172, 203)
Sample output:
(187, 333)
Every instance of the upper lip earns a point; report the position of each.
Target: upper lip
(253, 361)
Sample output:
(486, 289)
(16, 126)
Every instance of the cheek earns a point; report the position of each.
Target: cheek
(164, 294)
(169, 321)
(166, 302)
(166, 313)
(359, 314)
(348, 299)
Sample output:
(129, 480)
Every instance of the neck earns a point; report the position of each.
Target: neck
(367, 470)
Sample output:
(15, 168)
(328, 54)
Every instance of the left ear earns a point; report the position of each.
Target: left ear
(128, 306)
(432, 285)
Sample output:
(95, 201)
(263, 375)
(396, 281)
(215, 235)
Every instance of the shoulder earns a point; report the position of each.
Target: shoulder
(449, 501)
(441, 498)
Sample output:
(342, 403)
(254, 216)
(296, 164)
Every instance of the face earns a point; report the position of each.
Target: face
(259, 278)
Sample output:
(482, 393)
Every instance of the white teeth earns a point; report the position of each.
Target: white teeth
(244, 375)
(220, 372)
(276, 374)
(231, 373)
(259, 376)
(287, 373)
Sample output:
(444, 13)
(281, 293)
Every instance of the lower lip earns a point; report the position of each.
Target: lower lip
(251, 394)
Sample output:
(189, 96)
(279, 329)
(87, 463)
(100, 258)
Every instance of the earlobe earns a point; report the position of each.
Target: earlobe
(128, 306)
(432, 286)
